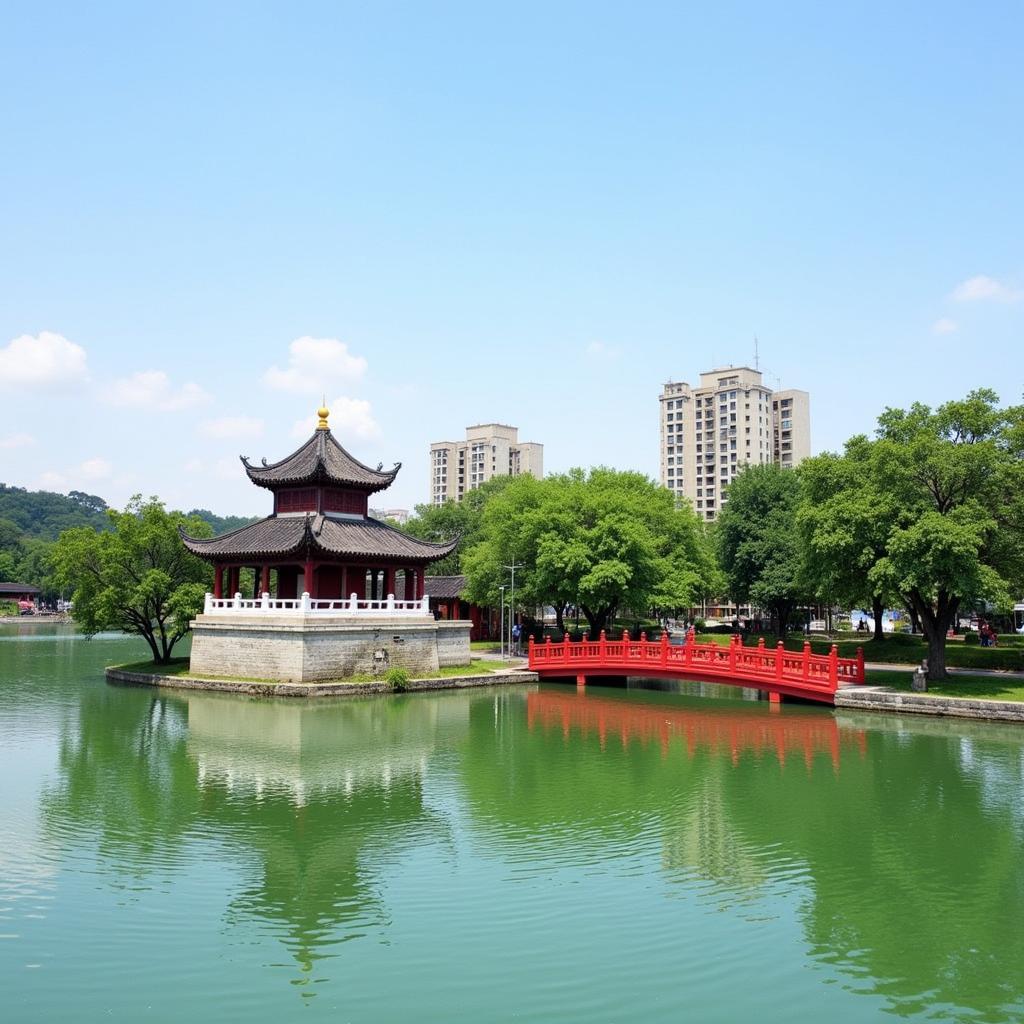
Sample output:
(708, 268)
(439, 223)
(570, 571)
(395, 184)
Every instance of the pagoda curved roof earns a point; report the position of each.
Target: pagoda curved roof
(320, 460)
(281, 536)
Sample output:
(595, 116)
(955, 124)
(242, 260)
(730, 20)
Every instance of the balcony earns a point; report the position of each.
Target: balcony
(308, 607)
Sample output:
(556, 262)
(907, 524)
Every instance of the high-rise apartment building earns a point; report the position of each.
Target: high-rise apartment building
(490, 449)
(731, 420)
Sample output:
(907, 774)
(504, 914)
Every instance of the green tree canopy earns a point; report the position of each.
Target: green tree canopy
(758, 543)
(138, 577)
(455, 519)
(844, 526)
(600, 540)
(955, 479)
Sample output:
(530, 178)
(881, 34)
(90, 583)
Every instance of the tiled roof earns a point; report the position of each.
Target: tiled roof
(18, 588)
(445, 588)
(320, 460)
(278, 536)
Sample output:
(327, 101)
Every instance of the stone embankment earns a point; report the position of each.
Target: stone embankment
(882, 698)
(258, 689)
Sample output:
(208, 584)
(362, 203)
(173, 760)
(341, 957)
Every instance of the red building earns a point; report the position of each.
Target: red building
(446, 602)
(320, 539)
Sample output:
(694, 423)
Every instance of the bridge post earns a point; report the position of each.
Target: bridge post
(780, 650)
(833, 667)
(625, 645)
(664, 648)
(732, 652)
(760, 651)
(860, 664)
(807, 659)
(602, 648)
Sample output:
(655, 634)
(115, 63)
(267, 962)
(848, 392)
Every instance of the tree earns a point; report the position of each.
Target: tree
(599, 540)
(955, 476)
(138, 578)
(758, 542)
(844, 526)
(455, 519)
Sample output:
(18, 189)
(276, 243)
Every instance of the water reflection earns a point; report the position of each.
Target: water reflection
(323, 797)
(895, 845)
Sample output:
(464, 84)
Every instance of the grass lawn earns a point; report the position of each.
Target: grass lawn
(972, 687)
(898, 649)
(179, 667)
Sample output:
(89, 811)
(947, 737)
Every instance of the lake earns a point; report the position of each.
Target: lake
(518, 854)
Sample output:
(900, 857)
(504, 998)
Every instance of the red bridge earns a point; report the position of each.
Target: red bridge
(776, 670)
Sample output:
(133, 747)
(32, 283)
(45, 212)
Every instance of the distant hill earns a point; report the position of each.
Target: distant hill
(42, 515)
(30, 521)
(223, 524)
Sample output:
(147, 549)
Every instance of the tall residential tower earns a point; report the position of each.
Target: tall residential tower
(490, 449)
(731, 420)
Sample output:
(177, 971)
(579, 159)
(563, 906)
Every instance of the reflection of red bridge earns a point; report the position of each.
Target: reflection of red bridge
(780, 672)
(719, 730)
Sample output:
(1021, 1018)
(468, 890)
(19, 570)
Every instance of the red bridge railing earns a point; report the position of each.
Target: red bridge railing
(796, 672)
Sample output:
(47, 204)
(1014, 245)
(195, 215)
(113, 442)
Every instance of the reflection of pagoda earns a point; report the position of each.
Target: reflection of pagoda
(335, 592)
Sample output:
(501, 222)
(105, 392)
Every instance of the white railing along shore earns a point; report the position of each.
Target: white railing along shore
(353, 605)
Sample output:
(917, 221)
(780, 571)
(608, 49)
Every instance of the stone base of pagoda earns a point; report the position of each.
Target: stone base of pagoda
(294, 649)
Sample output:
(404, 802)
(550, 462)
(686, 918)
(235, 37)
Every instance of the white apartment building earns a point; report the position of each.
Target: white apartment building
(731, 420)
(489, 450)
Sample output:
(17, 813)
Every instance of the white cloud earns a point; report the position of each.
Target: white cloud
(44, 360)
(50, 481)
(599, 350)
(982, 288)
(350, 417)
(17, 441)
(232, 427)
(152, 389)
(944, 326)
(95, 469)
(315, 365)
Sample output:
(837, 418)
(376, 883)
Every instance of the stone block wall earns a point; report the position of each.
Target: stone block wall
(453, 642)
(297, 650)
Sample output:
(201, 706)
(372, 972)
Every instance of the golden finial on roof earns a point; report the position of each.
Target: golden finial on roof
(323, 412)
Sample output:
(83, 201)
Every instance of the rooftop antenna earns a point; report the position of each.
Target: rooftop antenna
(757, 357)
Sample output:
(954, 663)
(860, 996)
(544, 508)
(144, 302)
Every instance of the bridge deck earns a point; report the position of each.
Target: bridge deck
(790, 673)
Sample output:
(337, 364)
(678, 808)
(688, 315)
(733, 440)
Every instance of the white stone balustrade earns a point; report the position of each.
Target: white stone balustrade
(351, 606)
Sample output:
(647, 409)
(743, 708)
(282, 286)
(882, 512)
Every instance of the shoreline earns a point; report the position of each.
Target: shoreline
(254, 688)
(886, 700)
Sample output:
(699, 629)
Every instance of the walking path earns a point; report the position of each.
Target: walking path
(903, 667)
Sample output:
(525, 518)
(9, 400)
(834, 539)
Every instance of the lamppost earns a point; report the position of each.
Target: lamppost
(501, 631)
(512, 600)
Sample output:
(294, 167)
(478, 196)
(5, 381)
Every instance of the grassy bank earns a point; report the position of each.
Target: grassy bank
(898, 649)
(971, 687)
(180, 667)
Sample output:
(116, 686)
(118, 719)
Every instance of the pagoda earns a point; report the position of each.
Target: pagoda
(329, 581)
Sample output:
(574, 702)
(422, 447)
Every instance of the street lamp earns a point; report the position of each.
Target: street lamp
(501, 632)
(512, 600)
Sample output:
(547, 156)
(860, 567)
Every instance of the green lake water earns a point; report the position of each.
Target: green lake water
(517, 854)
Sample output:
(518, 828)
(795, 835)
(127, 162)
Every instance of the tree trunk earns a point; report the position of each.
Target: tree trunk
(935, 622)
(877, 611)
(782, 610)
(597, 618)
(560, 618)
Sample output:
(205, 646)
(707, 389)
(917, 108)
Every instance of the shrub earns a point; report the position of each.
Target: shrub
(971, 638)
(397, 679)
(699, 625)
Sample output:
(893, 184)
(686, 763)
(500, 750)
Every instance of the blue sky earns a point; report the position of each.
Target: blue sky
(442, 214)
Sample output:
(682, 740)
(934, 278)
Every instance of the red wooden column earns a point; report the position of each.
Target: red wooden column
(307, 580)
(232, 581)
(389, 581)
(218, 577)
(421, 583)
(265, 579)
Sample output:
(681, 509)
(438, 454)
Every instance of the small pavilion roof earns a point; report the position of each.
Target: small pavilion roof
(282, 536)
(445, 588)
(18, 588)
(321, 460)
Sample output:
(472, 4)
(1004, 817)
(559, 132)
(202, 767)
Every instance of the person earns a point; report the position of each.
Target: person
(516, 634)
